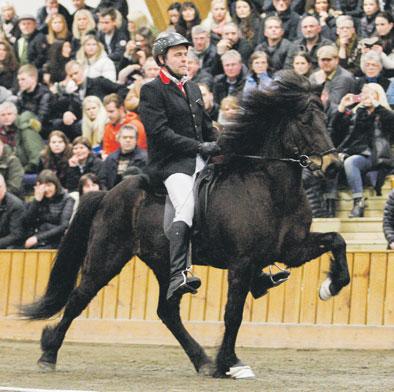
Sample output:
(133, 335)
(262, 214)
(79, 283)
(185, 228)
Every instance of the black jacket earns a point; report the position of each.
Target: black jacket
(109, 176)
(12, 211)
(290, 21)
(49, 218)
(175, 126)
(279, 56)
(221, 87)
(116, 47)
(42, 15)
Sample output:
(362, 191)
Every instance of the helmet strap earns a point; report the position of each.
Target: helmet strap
(179, 77)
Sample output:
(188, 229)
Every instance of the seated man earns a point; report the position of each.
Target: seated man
(11, 169)
(127, 159)
(12, 210)
(195, 72)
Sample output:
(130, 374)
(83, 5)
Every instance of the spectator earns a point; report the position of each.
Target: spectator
(94, 118)
(55, 155)
(128, 158)
(26, 47)
(334, 80)
(150, 69)
(11, 169)
(12, 211)
(322, 11)
(202, 47)
(51, 8)
(231, 39)
(194, 71)
(289, 18)
(233, 80)
(248, 20)
(21, 133)
(211, 107)
(388, 220)
(55, 68)
(385, 32)
(173, 13)
(110, 36)
(229, 107)
(357, 133)
(9, 23)
(88, 183)
(347, 42)
(217, 17)
(81, 5)
(81, 162)
(137, 20)
(120, 5)
(311, 40)
(258, 77)
(190, 16)
(8, 65)
(352, 8)
(93, 57)
(374, 44)
(117, 118)
(33, 96)
(302, 64)
(48, 215)
(83, 24)
(367, 24)
(278, 49)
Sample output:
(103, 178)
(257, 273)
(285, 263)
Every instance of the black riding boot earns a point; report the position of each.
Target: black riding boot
(331, 206)
(180, 283)
(263, 282)
(358, 208)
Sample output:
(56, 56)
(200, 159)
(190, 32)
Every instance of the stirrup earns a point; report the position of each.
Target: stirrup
(187, 285)
(284, 273)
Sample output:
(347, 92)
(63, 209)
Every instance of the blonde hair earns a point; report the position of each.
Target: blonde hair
(231, 101)
(378, 90)
(52, 36)
(209, 23)
(93, 130)
(91, 25)
(81, 56)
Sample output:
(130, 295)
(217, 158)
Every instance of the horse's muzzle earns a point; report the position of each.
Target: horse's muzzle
(333, 168)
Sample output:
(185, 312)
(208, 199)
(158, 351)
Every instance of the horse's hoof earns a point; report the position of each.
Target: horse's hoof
(324, 292)
(242, 372)
(46, 366)
(206, 370)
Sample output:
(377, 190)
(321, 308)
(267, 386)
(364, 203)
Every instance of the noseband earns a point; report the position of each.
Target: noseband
(303, 160)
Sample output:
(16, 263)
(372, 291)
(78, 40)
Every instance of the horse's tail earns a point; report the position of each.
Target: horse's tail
(68, 261)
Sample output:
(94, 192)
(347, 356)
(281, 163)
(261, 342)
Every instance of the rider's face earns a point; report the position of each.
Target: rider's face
(176, 60)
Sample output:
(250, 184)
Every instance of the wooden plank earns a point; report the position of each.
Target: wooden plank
(125, 291)
(276, 300)
(324, 308)
(292, 300)
(152, 298)
(309, 292)
(377, 286)
(214, 294)
(138, 303)
(5, 276)
(223, 300)
(358, 301)
(389, 300)
(30, 275)
(111, 298)
(341, 312)
(197, 304)
(16, 282)
(44, 266)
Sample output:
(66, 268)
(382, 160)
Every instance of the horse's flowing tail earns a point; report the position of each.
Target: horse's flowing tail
(68, 261)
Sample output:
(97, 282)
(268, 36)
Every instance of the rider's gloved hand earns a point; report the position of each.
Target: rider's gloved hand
(207, 149)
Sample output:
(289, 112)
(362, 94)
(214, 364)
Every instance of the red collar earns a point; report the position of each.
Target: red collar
(164, 78)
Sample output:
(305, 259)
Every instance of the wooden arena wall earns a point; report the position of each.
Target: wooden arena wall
(291, 315)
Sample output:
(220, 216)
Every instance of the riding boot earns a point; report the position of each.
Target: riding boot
(180, 282)
(331, 208)
(262, 282)
(358, 208)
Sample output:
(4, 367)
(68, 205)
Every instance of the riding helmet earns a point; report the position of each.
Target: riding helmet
(165, 41)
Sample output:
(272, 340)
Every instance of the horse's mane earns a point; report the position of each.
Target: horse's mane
(262, 113)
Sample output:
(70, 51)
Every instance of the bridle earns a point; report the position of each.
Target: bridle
(303, 160)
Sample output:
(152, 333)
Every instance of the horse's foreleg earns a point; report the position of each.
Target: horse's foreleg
(169, 314)
(239, 277)
(314, 246)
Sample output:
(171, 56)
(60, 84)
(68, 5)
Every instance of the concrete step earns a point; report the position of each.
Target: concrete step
(348, 225)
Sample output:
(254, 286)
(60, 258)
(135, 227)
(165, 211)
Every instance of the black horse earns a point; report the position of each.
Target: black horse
(257, 214)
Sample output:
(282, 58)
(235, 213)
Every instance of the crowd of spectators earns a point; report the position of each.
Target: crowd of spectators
(70, 86)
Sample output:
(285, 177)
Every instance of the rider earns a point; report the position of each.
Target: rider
(179, 135)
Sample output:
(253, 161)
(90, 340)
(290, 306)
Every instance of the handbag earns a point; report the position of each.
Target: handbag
(381, 149)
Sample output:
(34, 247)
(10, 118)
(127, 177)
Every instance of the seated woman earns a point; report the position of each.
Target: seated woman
(356, 128)
(248, 21)
(322, 11)
(190, 16)
(83, 24)
(8, 65)
(81, 162)
(59, 55)
(367, 22)
(258, 77)
(217, 17)
(55, 155)
(48, 215)
(94, 118)
(302, 64)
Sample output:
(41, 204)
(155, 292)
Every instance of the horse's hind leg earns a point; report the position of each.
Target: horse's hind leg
(315, 245)
(101, 270)
(169, 314)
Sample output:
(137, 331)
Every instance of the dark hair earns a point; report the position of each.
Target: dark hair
(305, 55)
(174, 6)
(115, 98)
(386, 15)
(246, 25)
(85, 178)
(48, 176)
(10, 63)
(183, 27)
(82, 140)
(57, 62)
(108, 12)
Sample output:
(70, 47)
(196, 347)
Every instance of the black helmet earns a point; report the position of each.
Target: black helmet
(166, 41)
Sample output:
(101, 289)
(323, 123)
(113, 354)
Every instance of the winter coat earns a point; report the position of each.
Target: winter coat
(103, 67)
(221, 86)
(279, 55)
(49, 218)
(12, 170)
(12, 211)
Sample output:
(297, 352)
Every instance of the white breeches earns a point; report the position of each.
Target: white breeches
(180, 191)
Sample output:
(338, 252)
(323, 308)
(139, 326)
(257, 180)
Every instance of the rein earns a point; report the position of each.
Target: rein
(303, 160)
